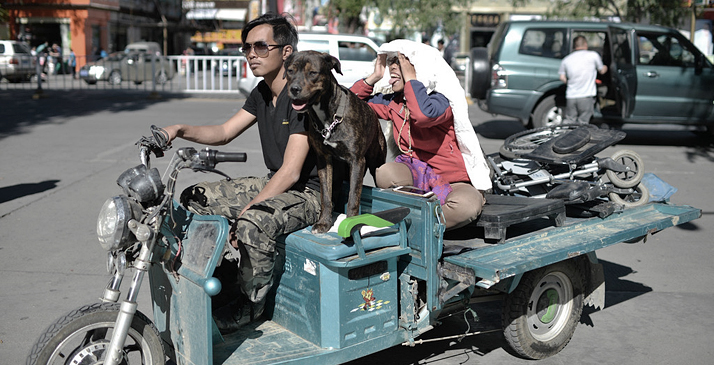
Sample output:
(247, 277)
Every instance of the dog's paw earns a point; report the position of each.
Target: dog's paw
(321, 227)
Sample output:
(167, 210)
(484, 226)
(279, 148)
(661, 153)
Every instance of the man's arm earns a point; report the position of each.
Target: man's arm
(603, 70)
(289, 173)
(213, 135)
(563, 78)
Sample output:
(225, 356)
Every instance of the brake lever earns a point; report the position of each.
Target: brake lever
(194, 162)
(208, 169)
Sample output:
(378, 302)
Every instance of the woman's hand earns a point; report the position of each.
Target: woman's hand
(408, 70)
(379, 65)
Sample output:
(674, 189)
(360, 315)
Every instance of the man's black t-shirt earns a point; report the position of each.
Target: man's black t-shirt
(275, 125)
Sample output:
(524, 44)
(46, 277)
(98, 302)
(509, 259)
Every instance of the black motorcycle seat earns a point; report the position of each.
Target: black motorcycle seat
(571, 141)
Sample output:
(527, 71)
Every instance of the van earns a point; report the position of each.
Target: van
(356, 54)
(144, 47)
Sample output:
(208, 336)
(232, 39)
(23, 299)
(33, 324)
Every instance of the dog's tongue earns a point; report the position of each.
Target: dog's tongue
(299, 106)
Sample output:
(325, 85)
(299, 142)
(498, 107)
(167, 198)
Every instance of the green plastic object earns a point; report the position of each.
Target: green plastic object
(381, 219)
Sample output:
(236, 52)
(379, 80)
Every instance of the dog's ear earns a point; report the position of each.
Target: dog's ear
(333, 63)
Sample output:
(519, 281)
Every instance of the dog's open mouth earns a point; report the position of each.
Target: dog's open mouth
(299, 104)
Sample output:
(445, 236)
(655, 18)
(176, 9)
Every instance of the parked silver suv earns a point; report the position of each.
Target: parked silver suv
(16, 61)
(356, 54)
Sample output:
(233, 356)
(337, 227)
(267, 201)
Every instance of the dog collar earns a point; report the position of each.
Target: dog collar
(336, 119)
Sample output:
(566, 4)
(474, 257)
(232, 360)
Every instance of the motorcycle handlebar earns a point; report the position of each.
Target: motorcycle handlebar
(212, 157)
(231, 157)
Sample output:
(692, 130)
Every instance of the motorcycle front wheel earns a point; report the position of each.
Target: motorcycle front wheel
(82, 337)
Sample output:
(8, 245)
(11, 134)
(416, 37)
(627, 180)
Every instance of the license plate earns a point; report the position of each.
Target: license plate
(83, 73)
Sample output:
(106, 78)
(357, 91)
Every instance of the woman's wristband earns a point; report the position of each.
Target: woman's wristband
(367, 83)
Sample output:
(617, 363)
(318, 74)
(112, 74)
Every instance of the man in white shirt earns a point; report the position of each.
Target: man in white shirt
(578, 71)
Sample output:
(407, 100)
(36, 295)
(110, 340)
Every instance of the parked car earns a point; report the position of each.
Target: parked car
(136, 67)
(16, 61)
(145, 47)
(655, 75)
(356, 54)
(460, 62)
(226, 57)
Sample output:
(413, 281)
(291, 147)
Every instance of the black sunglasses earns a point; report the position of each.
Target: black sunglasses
(261, 48)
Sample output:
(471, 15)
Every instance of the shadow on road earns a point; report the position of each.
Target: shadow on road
(498, 129)
(13, 192)
(20, 110)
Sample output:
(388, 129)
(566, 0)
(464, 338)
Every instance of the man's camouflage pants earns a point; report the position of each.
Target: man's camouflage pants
(258, 228)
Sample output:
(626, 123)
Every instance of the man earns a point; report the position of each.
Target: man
(578, 71)
(262, 208)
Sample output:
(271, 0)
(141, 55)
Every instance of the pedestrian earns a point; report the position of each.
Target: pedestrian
(440, 152)
(72, 63)
(578, 71)
(261, 208)
(56, 53)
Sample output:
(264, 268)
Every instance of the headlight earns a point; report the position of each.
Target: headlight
(112, 230)
(96, 71)
(141, 184)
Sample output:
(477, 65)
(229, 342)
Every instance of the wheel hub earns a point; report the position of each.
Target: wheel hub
(92, 354)
(547, 306)
(550, 305)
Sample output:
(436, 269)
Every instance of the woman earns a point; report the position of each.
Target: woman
(429, 115)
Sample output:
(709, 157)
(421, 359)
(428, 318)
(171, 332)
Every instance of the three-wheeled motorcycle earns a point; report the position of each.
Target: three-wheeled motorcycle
(340, 295)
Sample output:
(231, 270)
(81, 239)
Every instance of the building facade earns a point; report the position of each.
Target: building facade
(88, 26)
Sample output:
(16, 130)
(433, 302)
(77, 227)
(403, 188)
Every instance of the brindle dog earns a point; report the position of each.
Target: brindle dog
(341, 125)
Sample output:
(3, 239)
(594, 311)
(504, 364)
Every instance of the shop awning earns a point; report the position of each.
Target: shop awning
(218, 14)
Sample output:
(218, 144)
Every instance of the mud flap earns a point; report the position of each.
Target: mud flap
(595, 293)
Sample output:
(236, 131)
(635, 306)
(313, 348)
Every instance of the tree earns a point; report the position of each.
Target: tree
(663, 12)
(407, 15)
(349, 11)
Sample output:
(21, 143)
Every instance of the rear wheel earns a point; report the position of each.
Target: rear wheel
(82, 337)
(523, 142)
(640, 196)
(547, 113)
(161, 77)
(115, 77)
(629, 178)
(540, 316)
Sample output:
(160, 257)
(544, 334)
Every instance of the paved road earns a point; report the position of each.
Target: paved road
(60, 157)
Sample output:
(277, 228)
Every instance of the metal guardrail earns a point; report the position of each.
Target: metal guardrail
(190, 74)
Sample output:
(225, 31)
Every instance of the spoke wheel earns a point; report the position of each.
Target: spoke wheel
(630, 178)
(639, 197)
(547, 113)
(82, 337)
(524, 142)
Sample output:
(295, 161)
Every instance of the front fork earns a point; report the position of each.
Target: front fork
(145, 234)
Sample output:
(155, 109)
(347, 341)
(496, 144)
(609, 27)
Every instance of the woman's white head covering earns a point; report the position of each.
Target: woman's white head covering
(436, 75)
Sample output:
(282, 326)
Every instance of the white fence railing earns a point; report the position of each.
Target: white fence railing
(183, 74)
(209, 73)
(190, 74)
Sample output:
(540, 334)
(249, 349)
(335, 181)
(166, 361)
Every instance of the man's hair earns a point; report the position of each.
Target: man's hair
(580, 41)
(284, 32)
